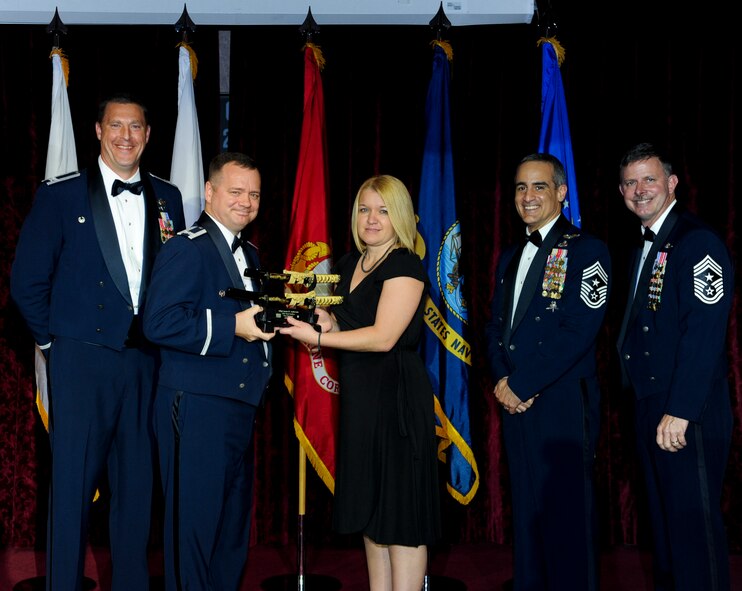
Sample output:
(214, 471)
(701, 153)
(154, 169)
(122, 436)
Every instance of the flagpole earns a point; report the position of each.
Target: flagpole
(187, 169)
(61, 159)
(435, 206)
(301, 580)
(300, 556)
(555, 138)
(439, 23)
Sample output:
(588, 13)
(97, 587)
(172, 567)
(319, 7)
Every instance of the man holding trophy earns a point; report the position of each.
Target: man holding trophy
(216, 363)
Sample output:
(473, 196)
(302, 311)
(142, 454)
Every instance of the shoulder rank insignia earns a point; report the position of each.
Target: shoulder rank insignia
(62, 177)
(159, 178)
(708, 284)
(193, 232)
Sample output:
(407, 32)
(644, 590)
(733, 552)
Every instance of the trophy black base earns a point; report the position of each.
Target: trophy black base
(39, 584)
(304, 583)
(439, 583)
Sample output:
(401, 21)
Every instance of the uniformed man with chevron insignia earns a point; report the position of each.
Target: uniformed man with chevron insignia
(549, 303)
(672, 347)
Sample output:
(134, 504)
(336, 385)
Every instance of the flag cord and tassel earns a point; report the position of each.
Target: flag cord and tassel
(192, 56)
(65, 64)
(318, 57)
(445, 46)
(561, 53)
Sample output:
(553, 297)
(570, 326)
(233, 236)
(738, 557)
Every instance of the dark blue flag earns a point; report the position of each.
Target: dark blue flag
(445, 348)
(555, 138)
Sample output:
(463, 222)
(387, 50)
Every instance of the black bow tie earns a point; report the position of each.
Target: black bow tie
(534, 238)
(237, 242)
(648, 235)
(120, 186)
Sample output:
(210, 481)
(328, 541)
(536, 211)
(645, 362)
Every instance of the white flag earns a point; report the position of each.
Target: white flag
(187, 169)
(61, 158)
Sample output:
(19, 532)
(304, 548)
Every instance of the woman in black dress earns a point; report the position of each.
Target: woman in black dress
(387, 482)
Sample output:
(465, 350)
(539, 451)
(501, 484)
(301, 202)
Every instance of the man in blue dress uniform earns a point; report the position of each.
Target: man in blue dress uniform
(80, 279)
(672, 347)
(216, 364)
(547, 310)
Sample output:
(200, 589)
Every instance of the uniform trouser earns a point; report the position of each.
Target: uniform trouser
(206, 458)
(684, 492)
(551, 455)
(101, 404)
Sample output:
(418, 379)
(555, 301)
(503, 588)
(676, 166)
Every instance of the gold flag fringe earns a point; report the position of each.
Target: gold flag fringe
(558, 49)
(194, 59)
(65, 64)
(318, 57)
(445, 46)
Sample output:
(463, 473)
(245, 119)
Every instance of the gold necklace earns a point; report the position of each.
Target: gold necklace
(381, 258)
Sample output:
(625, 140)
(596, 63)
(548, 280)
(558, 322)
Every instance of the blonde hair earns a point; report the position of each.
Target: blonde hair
(398, 205)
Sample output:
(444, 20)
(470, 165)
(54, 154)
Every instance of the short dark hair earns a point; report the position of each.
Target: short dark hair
(560, 175)
(122, 98)
(645, 151)
(223, 158)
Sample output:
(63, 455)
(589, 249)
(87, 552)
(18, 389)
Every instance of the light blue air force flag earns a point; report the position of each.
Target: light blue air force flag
(555, 138)
(446, 351)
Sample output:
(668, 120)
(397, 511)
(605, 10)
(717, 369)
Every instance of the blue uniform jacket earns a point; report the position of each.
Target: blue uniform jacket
(68, 278)
(673, 340)
(194, 324)
(552, 339)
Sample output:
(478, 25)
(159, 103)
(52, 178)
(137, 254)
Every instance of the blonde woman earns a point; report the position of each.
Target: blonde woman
(386, 482)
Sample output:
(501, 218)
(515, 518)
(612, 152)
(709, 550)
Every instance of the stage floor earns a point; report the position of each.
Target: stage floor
(465, 567)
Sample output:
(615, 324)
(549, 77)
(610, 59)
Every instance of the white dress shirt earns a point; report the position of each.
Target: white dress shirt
(128, 214)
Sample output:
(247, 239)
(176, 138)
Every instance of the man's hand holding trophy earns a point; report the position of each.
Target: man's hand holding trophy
(278, 307)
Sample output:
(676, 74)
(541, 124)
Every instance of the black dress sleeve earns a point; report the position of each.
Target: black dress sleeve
(402, 263)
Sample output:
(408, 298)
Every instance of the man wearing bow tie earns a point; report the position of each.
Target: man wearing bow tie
(216, 364)
(547, 310)
(80, 280)
(672, 349)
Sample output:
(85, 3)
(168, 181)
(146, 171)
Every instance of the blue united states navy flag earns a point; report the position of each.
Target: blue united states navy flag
(555, 138)
(446, 351)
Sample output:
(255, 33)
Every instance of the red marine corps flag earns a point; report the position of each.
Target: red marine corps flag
(311, 374)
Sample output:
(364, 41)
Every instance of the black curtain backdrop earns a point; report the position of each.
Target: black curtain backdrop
(647, 74)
